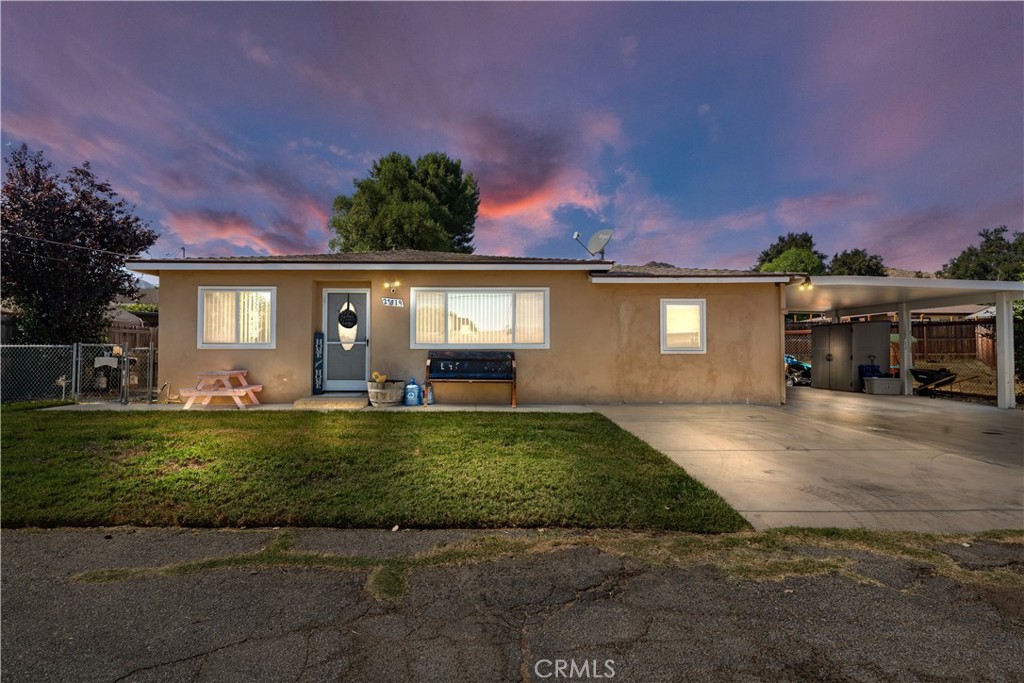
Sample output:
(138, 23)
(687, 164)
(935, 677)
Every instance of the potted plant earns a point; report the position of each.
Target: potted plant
(383, 392)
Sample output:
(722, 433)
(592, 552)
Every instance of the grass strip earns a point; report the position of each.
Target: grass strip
(367, 470)
(765, 556)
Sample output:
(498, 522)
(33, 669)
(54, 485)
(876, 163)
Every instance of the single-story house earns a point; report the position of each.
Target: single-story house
(582, 330)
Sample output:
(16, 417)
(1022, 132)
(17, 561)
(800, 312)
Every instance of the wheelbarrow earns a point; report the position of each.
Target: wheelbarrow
(931, 380)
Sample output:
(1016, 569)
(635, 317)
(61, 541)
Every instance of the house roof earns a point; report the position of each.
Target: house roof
(402, 259)
(661, 273)
(411, 259)
(652, 270)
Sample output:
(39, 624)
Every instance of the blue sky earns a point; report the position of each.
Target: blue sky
(698, 131)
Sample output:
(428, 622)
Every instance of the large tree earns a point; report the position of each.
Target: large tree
(65, 241)
(856, 262)
(792, 240)
(796, 260)
(996, 258)
(430, 205)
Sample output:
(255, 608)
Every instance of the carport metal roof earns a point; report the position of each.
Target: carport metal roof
(843, 295)
(839, 296)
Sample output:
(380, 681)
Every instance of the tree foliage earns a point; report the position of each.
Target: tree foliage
(65, 241)
(791, 240)
(856, 262)
(996, 258)
(429, 205)
(796, 260)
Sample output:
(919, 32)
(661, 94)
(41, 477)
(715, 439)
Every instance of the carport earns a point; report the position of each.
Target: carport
(841, 296)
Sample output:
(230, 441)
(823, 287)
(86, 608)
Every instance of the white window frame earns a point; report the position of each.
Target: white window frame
(702, 303)
(413, 291)
(272, 344)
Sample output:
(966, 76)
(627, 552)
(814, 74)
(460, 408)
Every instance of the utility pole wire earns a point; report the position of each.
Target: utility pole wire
(65, 244)
(48, 258)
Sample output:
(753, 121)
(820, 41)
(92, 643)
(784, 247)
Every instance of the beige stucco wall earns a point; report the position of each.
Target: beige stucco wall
(604, 348)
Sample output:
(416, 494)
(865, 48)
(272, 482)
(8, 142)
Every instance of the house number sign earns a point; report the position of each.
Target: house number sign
(397, 303)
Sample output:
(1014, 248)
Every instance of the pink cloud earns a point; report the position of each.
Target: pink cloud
(927, 238)
(526, 175)
(886, 83)
(514, 226)
(602, 128)
(627, 50)
(213, 232)
(254, 51)
(649, 228)
(807, 213)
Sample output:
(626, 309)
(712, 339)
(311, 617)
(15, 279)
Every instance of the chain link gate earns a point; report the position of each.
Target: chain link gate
(108, 372)
(82, 372)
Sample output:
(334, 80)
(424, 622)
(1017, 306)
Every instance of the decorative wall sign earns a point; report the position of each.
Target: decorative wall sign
(348, 325)
(397, 303)
(318, 362)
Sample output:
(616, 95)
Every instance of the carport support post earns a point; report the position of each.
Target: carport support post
(1004, 351)
(906, 349)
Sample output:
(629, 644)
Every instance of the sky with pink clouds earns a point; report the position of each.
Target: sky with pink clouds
(698, 131)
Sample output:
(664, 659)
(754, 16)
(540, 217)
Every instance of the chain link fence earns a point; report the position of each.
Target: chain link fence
(37, 372)
(81, 372)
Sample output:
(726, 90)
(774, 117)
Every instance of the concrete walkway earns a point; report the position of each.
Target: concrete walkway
(832, 459)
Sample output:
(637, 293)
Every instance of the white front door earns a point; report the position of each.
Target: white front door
(346, 369)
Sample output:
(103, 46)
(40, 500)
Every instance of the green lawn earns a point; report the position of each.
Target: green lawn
(343, 470)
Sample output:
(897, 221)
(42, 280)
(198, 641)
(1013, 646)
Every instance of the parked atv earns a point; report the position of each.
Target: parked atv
(798, 372)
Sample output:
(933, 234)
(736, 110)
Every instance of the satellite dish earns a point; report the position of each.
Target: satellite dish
(596, 244)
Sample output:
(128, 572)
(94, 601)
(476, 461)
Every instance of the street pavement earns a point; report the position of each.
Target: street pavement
(571, 608)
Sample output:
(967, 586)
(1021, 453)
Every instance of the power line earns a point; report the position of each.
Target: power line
(48, 258)
(65, 244)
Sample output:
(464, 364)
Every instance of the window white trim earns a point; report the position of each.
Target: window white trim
(702, 303)
(272, 344)
(413, 291)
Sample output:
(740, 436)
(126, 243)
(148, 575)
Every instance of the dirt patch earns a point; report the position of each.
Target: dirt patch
(985, 554)
(1008, 601)
(174, 467)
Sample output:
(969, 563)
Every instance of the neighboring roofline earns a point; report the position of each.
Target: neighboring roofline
(692, 279)
(155, 267)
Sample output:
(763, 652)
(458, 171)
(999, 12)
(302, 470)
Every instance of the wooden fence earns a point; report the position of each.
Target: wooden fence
(934, 341)
(955, 340)
(133, 336)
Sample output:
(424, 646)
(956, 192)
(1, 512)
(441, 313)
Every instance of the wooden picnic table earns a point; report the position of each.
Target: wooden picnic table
(211, 383)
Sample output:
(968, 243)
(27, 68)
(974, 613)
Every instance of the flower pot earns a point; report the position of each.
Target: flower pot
(389, 393)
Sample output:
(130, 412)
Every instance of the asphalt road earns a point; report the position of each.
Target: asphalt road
(573, 612)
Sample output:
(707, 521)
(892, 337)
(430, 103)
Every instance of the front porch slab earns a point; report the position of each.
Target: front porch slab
(334, 401)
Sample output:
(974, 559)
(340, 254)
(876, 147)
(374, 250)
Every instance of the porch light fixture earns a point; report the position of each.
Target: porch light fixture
(806, 283)
(393, 286)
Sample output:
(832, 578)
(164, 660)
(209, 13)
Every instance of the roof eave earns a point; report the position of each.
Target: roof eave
(155, 267)
(601, 279)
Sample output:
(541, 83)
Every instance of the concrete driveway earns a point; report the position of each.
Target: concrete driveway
(834, 459)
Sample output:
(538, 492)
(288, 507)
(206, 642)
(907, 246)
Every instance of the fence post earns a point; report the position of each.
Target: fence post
(152, 380)
(76, 370)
